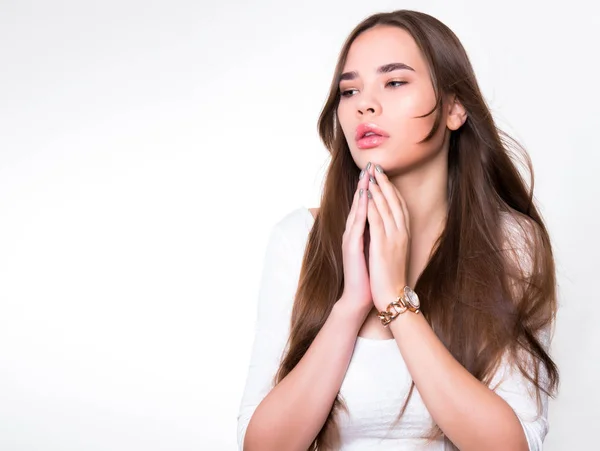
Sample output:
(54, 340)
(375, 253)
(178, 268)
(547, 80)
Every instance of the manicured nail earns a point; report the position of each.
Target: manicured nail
(362, 174)
(360, 193)
(372, 179)
(379, 169)
(368, 167)
(369, 195)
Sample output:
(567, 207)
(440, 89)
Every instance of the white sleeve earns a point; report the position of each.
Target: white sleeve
(278, 284)
(520, 394)
(522, 238)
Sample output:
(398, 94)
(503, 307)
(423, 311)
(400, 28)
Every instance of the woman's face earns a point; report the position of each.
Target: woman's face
(389, 99)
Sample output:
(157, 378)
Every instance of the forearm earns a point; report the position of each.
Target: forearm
(468, 412)
(294, 411)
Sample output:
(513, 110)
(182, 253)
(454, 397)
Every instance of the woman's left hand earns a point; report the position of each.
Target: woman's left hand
(390, 240)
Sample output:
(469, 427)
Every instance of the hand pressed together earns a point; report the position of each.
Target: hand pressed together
(389, 238)
(375, 275)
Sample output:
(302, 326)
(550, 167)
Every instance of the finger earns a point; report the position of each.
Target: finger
(404, 210)
(350, 218)
(360, 216)
(392, 196)
(362, 184)
(404, 207)
(376, 226)
(383, 207)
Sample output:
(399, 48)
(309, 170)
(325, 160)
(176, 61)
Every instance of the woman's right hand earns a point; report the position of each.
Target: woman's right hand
(357, 289)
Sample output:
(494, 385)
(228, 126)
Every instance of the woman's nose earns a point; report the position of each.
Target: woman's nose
(368, 104)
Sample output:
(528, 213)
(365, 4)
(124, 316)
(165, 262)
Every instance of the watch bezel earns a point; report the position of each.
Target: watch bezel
(408, 293)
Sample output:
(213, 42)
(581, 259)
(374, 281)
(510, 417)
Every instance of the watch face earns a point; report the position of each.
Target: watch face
(411, 297)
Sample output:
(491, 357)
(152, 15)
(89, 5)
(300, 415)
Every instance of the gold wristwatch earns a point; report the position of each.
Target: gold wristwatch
(408, 300)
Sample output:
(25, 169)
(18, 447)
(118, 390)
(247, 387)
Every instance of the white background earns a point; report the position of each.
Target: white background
(146, 149)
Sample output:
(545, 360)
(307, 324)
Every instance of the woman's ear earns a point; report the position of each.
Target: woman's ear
(457, 115)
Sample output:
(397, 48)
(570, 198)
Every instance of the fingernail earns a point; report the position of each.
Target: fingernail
(362, 174)
(368, 167)
(379, 169)
(369, 195)
(360, 193)
(372, 179)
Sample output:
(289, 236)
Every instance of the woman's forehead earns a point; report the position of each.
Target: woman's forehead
(383, 45)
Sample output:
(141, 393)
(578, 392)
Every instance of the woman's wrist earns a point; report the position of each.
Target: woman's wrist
(356, 314)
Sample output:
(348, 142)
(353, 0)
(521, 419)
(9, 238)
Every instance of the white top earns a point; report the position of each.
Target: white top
(371, 387)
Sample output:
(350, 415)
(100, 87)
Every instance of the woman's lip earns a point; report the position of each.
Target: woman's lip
(365, 128)
(368, 142)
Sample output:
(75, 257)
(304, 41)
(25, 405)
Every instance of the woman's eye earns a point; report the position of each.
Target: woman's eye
(396, 81)
(347, 92)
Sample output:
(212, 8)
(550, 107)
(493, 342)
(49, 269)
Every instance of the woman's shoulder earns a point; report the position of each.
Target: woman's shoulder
(521, 238)
(518, 225)
(519, 229)
(296, 223)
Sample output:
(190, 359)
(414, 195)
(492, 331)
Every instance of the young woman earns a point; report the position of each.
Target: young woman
(415, 308)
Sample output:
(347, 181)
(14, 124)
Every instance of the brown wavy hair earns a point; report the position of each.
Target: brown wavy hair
(485, 294)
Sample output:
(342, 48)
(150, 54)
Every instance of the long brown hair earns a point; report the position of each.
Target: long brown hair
(485, 293)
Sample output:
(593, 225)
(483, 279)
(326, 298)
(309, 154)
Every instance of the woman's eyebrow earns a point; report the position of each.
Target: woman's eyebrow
(380, 70)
